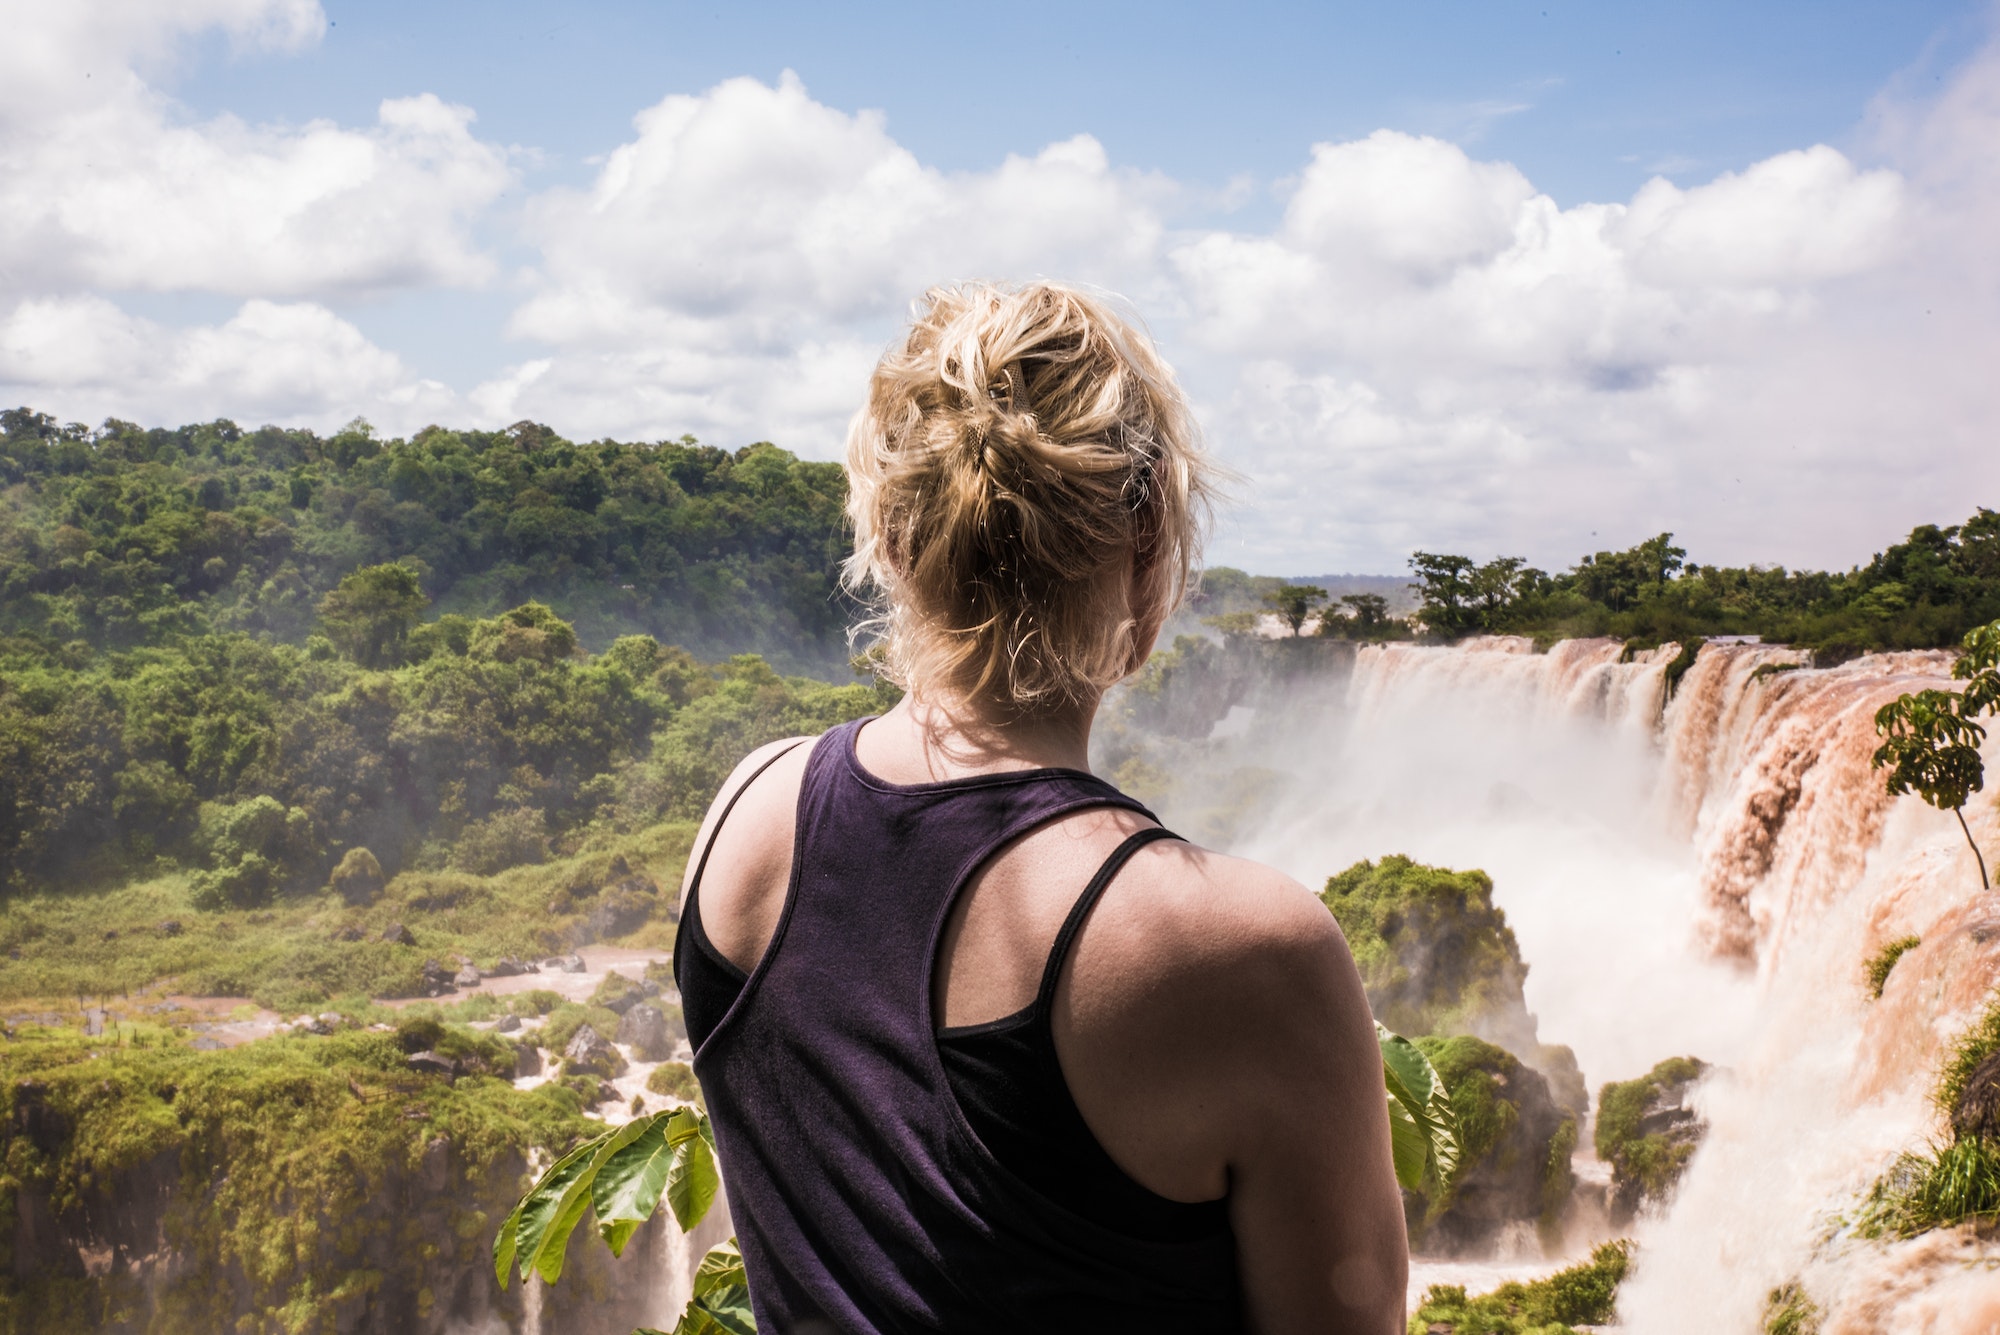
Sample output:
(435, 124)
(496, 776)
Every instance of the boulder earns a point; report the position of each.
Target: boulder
(314, 1024)
(527, 1060)
(617, 993)
(619, 909)
(435, 980)
(507, 967)
(398, 935)
(643, 1028)
(570, 964)
(467, 977)
(507, 1024)
(589, 1054)
(430, 1063)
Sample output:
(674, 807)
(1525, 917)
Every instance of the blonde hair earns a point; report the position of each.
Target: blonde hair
(1017, 447)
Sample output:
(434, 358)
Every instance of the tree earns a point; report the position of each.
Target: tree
(1931, 738)
(1294, 603)
(1367, 614)
(1492, 586)
(1446, 591)
(372, 612)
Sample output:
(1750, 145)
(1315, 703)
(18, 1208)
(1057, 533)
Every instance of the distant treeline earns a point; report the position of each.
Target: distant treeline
(124, 536)
(1922, 593)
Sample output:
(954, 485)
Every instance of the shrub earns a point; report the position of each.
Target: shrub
(1645, 1134)
(1788, 1311)
(1883, 962)
(617, 993)
(358, 878)
(1959, 1180)
(515, 837)
(535, 1001)
(1584, 1294)
(675, 1080)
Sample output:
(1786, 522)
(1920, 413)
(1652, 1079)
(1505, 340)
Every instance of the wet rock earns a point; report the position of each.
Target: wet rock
(1976, 1114)
(314, 1024)
(607, 1093)
(507, 1024)
(467, 977)
(589, 1054)
(169, 927)
(617, 993)
(435, 980)
(643, 1028)
(349, 933)
(570, 964)
(527, 1060)
(398, 935)
(430, 1063)
(508, 967)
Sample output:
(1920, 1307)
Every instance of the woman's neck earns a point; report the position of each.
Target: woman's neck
(925, 740)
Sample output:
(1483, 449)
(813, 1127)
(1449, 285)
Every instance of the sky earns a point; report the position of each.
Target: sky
(1477, 276)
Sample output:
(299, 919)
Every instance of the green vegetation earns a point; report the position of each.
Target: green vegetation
(619, 1179)
(1931, 738)
(1513, 1142)
(308, 1184)
(1647, 1133)
(1435, 955)
(675, 1080)
(1789, 1311)
(1883, 963)
(1294, 603)
(124, 537)
(1584, 1294)
(1958, 1181)
(1423, 1130)
(1925, 592)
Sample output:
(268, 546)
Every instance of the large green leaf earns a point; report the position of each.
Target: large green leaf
(626, 1190)
(1423, 1134)
(721, 1268)
(527, 1228)
(692, 1178)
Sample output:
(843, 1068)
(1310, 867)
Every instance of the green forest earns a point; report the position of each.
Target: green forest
(1925, 592)
(248, 653)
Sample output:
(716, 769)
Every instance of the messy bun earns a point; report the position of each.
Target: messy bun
(1017, 450)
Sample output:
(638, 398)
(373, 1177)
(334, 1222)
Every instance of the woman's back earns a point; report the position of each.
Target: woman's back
(1025, 488)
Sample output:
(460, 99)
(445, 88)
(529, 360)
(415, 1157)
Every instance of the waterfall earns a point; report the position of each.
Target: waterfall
(1701, 875)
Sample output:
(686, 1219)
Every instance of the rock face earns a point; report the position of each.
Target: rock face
(589, 1054)
(1647, 1131)
(1517, 1141)
(644, 1029)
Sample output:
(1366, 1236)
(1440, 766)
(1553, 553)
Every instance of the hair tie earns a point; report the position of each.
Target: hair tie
(1012, 389)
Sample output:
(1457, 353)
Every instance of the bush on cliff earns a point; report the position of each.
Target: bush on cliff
(295, 1184)
(1957, 1180)
(1647, 1132)
(1515, 1144)
(1582, 1295)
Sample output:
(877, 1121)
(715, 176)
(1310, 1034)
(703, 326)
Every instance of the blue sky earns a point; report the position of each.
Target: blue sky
(1493, 277)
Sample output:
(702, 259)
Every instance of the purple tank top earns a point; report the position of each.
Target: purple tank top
(863, 1202)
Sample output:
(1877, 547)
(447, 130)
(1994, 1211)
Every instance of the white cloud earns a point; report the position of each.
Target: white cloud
(1788, 361)
(84, 358)
(104, 184)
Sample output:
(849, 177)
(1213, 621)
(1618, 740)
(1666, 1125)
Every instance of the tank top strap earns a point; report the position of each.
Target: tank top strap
(1111, 866)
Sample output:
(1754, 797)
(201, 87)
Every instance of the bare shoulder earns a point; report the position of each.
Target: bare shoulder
(1185, 915)
(776, 769)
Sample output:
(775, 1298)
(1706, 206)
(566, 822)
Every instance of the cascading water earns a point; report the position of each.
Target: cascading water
(1705, 876)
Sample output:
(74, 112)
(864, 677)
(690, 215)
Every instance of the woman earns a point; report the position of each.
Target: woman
(986, 1049)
